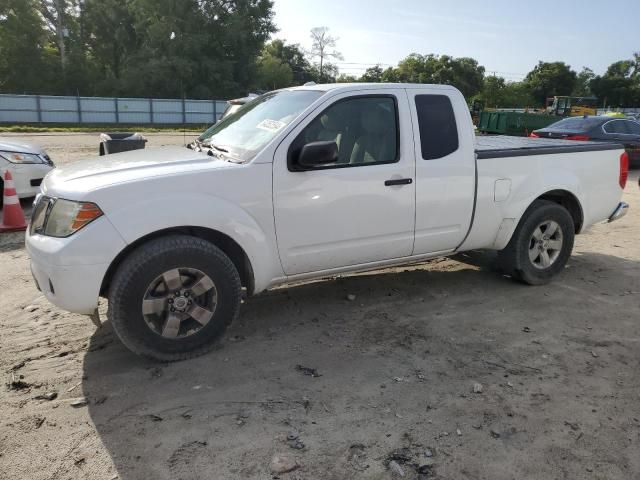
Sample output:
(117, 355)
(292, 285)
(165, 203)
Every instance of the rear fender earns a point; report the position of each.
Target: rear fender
(515, 208)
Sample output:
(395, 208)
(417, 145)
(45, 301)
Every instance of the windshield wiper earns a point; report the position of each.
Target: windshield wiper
(196, 144)
(220, 149)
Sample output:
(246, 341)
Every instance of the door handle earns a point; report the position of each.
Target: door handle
(398, 181)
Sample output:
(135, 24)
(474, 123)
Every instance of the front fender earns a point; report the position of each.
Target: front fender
(166, 210)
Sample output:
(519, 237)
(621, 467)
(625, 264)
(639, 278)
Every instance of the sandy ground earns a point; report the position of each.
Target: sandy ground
(394, 391)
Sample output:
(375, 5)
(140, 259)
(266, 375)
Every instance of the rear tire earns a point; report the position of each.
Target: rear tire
(172, 297)
(541, 244)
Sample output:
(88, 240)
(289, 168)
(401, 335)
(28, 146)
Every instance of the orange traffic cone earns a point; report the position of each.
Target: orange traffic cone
(12, 215)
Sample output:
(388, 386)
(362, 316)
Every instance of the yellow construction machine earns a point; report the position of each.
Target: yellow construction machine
(572, 106)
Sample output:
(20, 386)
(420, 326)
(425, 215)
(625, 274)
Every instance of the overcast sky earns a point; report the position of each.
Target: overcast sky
(507, 37)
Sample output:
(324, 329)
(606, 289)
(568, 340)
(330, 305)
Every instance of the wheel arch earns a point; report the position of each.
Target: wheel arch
(228, 245)
(560, 196)
(569, 201)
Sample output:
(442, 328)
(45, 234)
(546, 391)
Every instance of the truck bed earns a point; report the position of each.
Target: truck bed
(499, 146)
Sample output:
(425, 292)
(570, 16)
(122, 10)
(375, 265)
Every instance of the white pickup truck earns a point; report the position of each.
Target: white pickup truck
(304, 183)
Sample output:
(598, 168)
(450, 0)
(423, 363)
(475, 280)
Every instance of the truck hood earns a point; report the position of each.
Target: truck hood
(94, 173)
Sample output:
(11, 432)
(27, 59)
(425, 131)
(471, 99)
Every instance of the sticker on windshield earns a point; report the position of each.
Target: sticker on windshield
(270, 125)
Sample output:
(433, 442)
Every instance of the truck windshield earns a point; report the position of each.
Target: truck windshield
(243, 134)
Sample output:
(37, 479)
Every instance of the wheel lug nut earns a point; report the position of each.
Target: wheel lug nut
(186, 294)
(171, 300)
(173, 309)
(189, 302)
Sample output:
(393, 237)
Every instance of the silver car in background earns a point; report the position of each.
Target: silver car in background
(28, 164)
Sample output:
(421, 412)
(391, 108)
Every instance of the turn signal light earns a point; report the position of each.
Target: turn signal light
(86, 213)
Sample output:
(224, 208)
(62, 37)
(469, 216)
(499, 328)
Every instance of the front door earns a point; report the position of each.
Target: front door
(359, 209)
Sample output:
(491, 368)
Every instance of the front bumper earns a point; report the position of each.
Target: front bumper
(69, 271)
(620, 211)
(28, 177)
(72, 288)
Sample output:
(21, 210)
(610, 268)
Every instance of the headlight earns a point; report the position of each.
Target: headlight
(14, 157)
(57, 217)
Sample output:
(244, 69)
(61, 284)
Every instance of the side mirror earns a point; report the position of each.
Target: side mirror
(318, 153)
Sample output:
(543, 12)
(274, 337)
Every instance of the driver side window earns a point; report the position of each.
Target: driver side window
(365, 130)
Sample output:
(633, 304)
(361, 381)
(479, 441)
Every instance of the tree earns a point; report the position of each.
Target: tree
(111, 37)
(23, 48)
(146, 48)
(390, 75)
(583, 83)
(323, 47)
(215, 59)
(619, 86)
(273, 73)
(330, 72)
(344, 78)
(550, 79)
(492, 93)
(61, 19)
(293, 56)
(372, 74)
(497, 93)
(463, 73)
(516, 95)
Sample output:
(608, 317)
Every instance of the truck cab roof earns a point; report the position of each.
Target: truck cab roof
(346, 87)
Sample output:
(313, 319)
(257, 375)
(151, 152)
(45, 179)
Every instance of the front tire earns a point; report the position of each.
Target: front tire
(541, 245)
(172, 297)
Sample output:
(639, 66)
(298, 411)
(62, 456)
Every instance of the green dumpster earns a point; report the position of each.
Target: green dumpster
(513, 123)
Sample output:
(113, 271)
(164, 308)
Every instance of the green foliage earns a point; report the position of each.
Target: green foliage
(497, 93)
(273, 73)
(549, 79)
(373, 74)
(583, 83)
(219, 49)
(463, 73)
(343, 78)
(293, 56)
(140, 48)
(493, 92)
(22, 37)
(620, 85)
(390, 75)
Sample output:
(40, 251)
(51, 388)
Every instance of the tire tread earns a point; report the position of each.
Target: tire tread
(512, 257)
(135, 261)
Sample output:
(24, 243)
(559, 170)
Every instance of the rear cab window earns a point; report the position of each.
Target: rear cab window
(437, 126)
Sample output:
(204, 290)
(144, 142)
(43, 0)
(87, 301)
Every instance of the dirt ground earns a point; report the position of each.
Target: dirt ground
(393, 390)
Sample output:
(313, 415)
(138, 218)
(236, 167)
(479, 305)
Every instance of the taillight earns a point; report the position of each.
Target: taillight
(534, 135)
(583, 138)
(624, 169)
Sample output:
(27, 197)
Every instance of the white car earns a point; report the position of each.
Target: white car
(308, 183)
(28, 164)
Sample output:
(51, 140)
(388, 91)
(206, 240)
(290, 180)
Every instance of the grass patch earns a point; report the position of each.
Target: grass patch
(101, 127)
